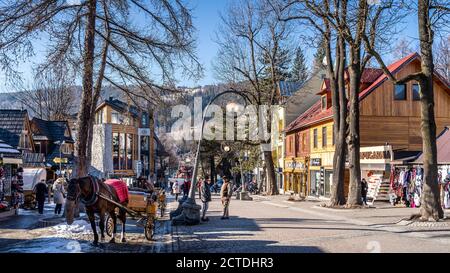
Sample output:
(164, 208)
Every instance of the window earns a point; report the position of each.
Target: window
(400, 92)
(324, 137)
(416, 91)
(304, 142)
(115, 118)
(130, 144)
(333, 135)
(324, 102)
(99, 117)
(115, 143)
(315, 138)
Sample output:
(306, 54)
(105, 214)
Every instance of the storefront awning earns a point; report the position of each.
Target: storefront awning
(443, 149)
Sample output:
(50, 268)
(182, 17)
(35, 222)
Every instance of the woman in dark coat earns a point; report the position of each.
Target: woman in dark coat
(364, 188)
(205, 196)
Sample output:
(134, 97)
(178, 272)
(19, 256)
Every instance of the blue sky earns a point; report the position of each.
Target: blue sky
(206, 20)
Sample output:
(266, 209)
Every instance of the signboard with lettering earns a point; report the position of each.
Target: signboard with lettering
(316, 162)
(295, 165)
(144, 131)
(58, 160)
(376, 154)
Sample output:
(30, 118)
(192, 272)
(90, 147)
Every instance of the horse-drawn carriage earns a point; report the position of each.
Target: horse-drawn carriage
(113, 199)
(144, 206)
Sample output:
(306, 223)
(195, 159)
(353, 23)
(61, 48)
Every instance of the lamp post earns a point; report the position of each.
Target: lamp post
(189, 213)
(60, 143)
(244, 193)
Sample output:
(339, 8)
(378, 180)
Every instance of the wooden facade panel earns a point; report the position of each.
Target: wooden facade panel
(401, 132)
(377, 131)
(381, 101)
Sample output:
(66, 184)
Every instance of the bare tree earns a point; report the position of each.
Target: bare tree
(442, 58)
(136, 53)
(251, 41)
(431, 15)
(331, 43)
(50, 97)
(403, 48)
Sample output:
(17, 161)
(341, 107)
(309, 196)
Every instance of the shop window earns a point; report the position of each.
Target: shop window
(130, 149)
(115, 144)
(315, 140)
(400, 92)
(324, 137)
(416, 91)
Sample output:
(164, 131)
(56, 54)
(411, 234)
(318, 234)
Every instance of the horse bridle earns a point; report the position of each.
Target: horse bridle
(77, 194)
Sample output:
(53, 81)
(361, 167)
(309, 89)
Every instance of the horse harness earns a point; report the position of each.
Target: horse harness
(94, 197)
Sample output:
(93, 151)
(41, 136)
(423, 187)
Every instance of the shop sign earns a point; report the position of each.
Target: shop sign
(377, 154)
(316, 162)
(144, 131)
(295, 165)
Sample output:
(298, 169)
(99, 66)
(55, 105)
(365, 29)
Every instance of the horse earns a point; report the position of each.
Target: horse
(88, 190)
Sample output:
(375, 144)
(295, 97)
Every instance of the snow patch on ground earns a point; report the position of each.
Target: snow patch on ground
(78, 227)
(52, 245)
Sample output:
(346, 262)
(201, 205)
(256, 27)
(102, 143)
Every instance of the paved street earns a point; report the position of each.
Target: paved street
(277, 225)
(266, 224)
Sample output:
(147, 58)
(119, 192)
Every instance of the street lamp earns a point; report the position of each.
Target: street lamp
(189, 213)
(244, 193)
(60, 143)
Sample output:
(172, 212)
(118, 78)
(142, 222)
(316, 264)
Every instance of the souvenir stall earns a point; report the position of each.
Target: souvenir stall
(11, 180)
(407, 177)
(443, 159)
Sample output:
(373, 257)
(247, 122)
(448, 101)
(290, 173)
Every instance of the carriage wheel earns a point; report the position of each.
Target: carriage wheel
(149, 229)
(109, 224)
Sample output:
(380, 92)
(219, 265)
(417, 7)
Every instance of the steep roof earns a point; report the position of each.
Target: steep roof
(121, 107)
(443, 148)
(50, 130)
(12, 122)
(7, 149)
(393, 68)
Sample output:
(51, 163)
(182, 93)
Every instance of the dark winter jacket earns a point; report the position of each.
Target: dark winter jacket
(41, 190)
(205, 192)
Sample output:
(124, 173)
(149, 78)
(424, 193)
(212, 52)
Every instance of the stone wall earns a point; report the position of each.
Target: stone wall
(101, 163)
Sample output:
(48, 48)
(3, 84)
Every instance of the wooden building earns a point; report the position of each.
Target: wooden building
(122, 143)
(390, 114)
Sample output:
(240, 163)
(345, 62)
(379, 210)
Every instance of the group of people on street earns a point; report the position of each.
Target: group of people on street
(59, 194)
(205, 187)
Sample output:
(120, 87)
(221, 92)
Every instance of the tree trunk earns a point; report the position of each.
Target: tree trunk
(339, 100)
(431, 206)
(152, 143)
(272, 188)
(354, 195)
(84, 114)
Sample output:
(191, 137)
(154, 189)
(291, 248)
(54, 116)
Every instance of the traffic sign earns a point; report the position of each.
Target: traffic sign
(59, 160)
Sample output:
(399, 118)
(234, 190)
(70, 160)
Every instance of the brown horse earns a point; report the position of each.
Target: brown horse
(88, 190)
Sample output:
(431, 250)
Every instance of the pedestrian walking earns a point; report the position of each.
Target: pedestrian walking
(59, 194)
(205, 196)
(225, 195)
(176, 190)
(364, 188)
(186, 187)
(40, 190)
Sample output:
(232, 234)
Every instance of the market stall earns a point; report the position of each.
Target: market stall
(11, 193)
